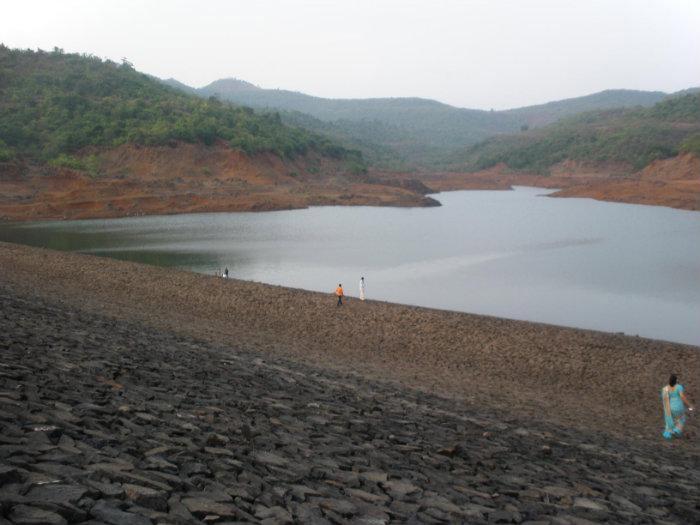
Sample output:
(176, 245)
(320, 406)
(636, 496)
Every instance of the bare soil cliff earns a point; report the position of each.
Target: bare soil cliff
(188, 178)
(673, 182)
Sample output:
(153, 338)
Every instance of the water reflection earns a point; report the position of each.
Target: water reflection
(514, 254)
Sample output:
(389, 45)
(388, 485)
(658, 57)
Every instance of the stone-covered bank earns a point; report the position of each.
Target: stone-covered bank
(105, 420)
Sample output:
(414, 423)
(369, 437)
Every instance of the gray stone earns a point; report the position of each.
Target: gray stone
(367, 496)
(116, 473)
(440, 503)
(178, 511)
(9, 474)
(557, 491)
(63, 471)
(268, 458)
(503, 516)
(588, 504)
(274, 514)
(57, 493)
(374, 476)
(624, 503)
(342, 507)
(114, 516)
(194, 469)
(566, 519)
(146, 497)
(203, 507)
(156, 451)
(217, 440)
(301, 492)
(216, 451)
(26, 515)
(399, 489)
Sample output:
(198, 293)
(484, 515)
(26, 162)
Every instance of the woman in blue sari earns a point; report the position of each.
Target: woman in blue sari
(674, 401)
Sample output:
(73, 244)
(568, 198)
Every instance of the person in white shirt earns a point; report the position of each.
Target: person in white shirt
(362, 288)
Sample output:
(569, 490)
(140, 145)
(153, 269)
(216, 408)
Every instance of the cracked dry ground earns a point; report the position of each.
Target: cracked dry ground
(108, 421)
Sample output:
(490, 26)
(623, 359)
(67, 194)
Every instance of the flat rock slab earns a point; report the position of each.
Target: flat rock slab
(203, 507)
(269, 458)
(57, 493)
(26, 515)
(342, 507)
(114, 516)
(146, 497)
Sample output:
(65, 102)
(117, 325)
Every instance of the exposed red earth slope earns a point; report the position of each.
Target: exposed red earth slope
(673, 182)
(192, 178)
(189, 178)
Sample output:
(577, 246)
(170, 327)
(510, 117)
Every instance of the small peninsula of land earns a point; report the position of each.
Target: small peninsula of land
(673, 182)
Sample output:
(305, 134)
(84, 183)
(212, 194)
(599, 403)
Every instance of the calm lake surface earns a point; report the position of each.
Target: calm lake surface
(517, 254)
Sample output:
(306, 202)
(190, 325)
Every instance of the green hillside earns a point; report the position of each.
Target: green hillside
(543, 114)
(401, 133)
(420, 120)
(631, 136)
(53, 105)
(369, 137)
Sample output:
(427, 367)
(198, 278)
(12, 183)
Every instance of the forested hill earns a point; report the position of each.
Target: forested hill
(53, 105)
(400, 132)
(543, 114)
(420, 121)
(630, 137)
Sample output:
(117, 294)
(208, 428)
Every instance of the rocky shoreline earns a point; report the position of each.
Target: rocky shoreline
(110, 421)
(120, 404)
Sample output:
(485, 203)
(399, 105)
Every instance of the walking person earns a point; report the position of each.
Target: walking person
(226, 273)
(362, 288)
(674, 402)
(339, 294)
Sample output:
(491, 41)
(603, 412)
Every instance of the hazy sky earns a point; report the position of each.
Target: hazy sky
(470, 53)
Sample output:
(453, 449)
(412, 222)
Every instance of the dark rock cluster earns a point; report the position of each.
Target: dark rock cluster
(108, 421)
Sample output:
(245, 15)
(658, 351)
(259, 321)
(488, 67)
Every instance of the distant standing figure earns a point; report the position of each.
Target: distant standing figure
(362, 288)
(339, 293)
(674, 400)
(226, 273)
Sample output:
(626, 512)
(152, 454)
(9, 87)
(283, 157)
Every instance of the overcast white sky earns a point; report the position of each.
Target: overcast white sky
(470, 53)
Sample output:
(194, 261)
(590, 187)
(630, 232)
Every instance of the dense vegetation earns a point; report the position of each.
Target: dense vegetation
(54, 105)
(365, 136)
(400, 133)
(543, 114)
(634, 137)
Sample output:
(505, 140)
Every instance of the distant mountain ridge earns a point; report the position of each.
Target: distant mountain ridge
(228, 85)
(410, 131)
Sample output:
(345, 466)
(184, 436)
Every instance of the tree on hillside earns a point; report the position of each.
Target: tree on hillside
(55, 105)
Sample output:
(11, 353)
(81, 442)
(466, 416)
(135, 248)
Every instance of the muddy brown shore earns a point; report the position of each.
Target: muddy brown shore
(194, 178)
(134, 394)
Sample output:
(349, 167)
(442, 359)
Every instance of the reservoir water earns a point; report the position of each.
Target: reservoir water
(516, 254)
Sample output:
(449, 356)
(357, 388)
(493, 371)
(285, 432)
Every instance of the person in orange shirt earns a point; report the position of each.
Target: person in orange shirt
(339, 293)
